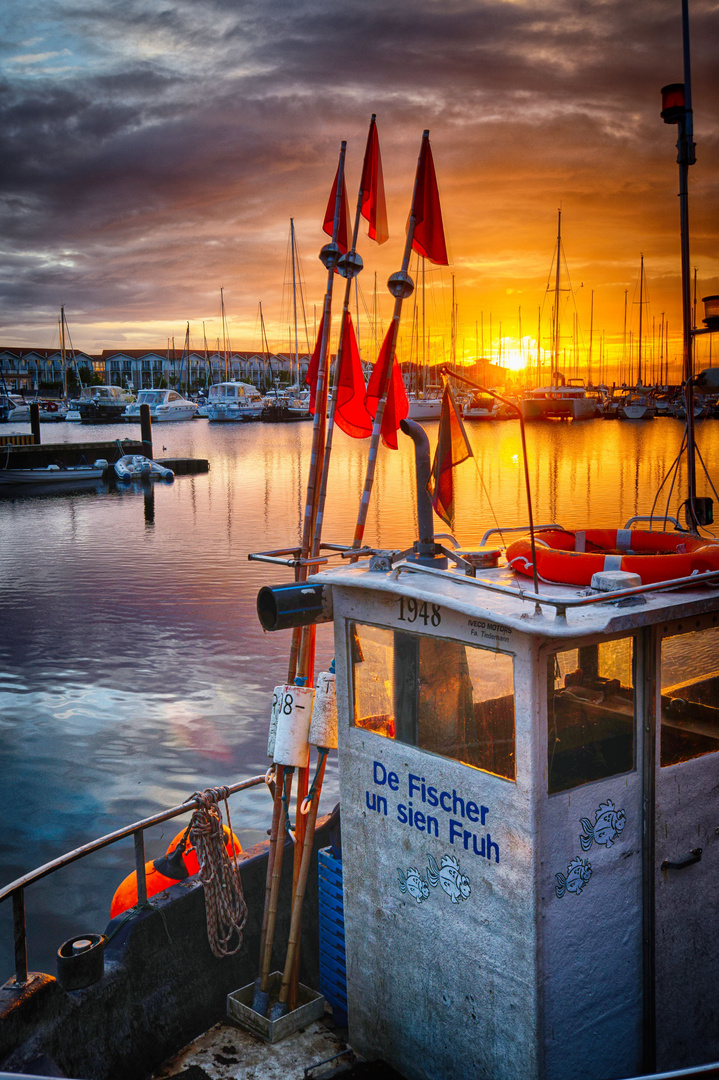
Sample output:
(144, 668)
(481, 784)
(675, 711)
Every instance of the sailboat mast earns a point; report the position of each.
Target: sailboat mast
(555, 334)
(641, 312)
(294, 302)
(62, 352)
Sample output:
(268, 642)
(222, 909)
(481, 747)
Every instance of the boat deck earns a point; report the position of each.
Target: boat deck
(228, 1052)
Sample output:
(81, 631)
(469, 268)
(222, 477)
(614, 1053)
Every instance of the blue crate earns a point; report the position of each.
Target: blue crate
(333, 971)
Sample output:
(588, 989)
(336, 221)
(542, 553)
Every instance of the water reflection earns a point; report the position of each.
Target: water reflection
(133, 670)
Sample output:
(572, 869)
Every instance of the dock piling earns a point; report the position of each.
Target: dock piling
(146, 430)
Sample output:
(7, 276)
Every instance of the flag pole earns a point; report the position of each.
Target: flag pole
(401, 286)
(349, 266)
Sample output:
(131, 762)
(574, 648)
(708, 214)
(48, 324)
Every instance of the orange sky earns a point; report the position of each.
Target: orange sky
(155, 154)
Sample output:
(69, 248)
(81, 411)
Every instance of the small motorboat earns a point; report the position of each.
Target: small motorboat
(137, 467)
(52, 475)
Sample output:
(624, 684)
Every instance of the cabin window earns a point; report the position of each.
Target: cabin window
(442, 696)
(590, 712)
(689, 695)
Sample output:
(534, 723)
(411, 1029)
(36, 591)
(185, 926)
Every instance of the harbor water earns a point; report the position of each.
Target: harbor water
(133, 670)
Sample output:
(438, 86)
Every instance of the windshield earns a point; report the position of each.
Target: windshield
(150, 397)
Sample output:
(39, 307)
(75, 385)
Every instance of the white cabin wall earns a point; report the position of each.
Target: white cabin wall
(437, 989)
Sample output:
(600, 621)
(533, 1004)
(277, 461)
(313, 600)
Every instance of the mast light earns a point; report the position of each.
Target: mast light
(673, 103)
(711, 312)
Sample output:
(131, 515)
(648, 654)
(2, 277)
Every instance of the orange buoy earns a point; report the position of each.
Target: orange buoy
(126, 893)
(571, 558)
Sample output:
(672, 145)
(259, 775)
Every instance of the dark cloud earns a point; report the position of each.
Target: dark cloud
(151, 151)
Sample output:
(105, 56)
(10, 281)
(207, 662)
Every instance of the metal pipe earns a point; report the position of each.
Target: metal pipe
(422, 470)
(19, 934)
(559, 602)
(140, 867)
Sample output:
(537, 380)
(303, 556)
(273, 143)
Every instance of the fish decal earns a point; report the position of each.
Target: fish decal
(608, 823)
(413, 883)
(579, 872)
(455, 884)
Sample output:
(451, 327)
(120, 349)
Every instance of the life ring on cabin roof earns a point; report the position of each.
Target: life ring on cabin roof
(571, 558)
(126, 893)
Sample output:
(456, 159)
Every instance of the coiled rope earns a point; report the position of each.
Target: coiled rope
(224, 900)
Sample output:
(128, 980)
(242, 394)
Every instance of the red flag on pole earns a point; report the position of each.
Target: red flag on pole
(343, 232)
(452, 449)
(396, 405)
(351, 412)
(428, 231)
(314, 367)
(374, 207)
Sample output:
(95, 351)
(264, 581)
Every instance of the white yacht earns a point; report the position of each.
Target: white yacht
(230, 402)
(165, 405)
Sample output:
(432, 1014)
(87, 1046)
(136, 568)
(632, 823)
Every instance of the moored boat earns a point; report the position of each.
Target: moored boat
(52, 475)
(137, 466)
(102, 404)
(233, 402)
(165, 406)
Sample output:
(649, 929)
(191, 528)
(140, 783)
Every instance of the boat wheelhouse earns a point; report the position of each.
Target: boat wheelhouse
(529, 808)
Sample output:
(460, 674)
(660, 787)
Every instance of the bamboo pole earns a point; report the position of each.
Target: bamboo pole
(261, 995)
(282, 1005)
(377, 426)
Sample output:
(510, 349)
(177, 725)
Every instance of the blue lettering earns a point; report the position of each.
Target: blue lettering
(472, 811)
(455, 800)
(491, 844)
(379, 803)
(455, 828)
(413, 784)
(485, 811)
(474, 845)
(402, 814)
(432, 796)
(445, 795)
(419, 820)
(393, 781)
(432, 825)
(380, 777)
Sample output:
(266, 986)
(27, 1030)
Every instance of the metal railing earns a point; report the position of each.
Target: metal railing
(16, 889)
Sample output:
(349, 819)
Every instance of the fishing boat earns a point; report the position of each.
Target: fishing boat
(165, 406)
(233, 402)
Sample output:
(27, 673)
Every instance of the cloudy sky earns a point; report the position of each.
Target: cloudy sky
(153, 151)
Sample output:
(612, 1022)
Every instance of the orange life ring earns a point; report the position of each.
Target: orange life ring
(126, 893)
(51, 406)
(571, 558)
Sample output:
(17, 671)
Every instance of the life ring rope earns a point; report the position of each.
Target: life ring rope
(572, 558)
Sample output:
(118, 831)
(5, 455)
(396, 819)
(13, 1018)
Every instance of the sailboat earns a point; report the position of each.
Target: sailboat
(293, 402)
(558, 401)
(637, 405)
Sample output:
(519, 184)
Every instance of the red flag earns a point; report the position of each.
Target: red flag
(351, 413)
(374, 207)
(343, 232)
(452, 449)
(428, 231)
(314, 367)
(396, 405)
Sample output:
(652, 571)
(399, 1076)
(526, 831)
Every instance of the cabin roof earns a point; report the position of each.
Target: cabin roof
(468, 596)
